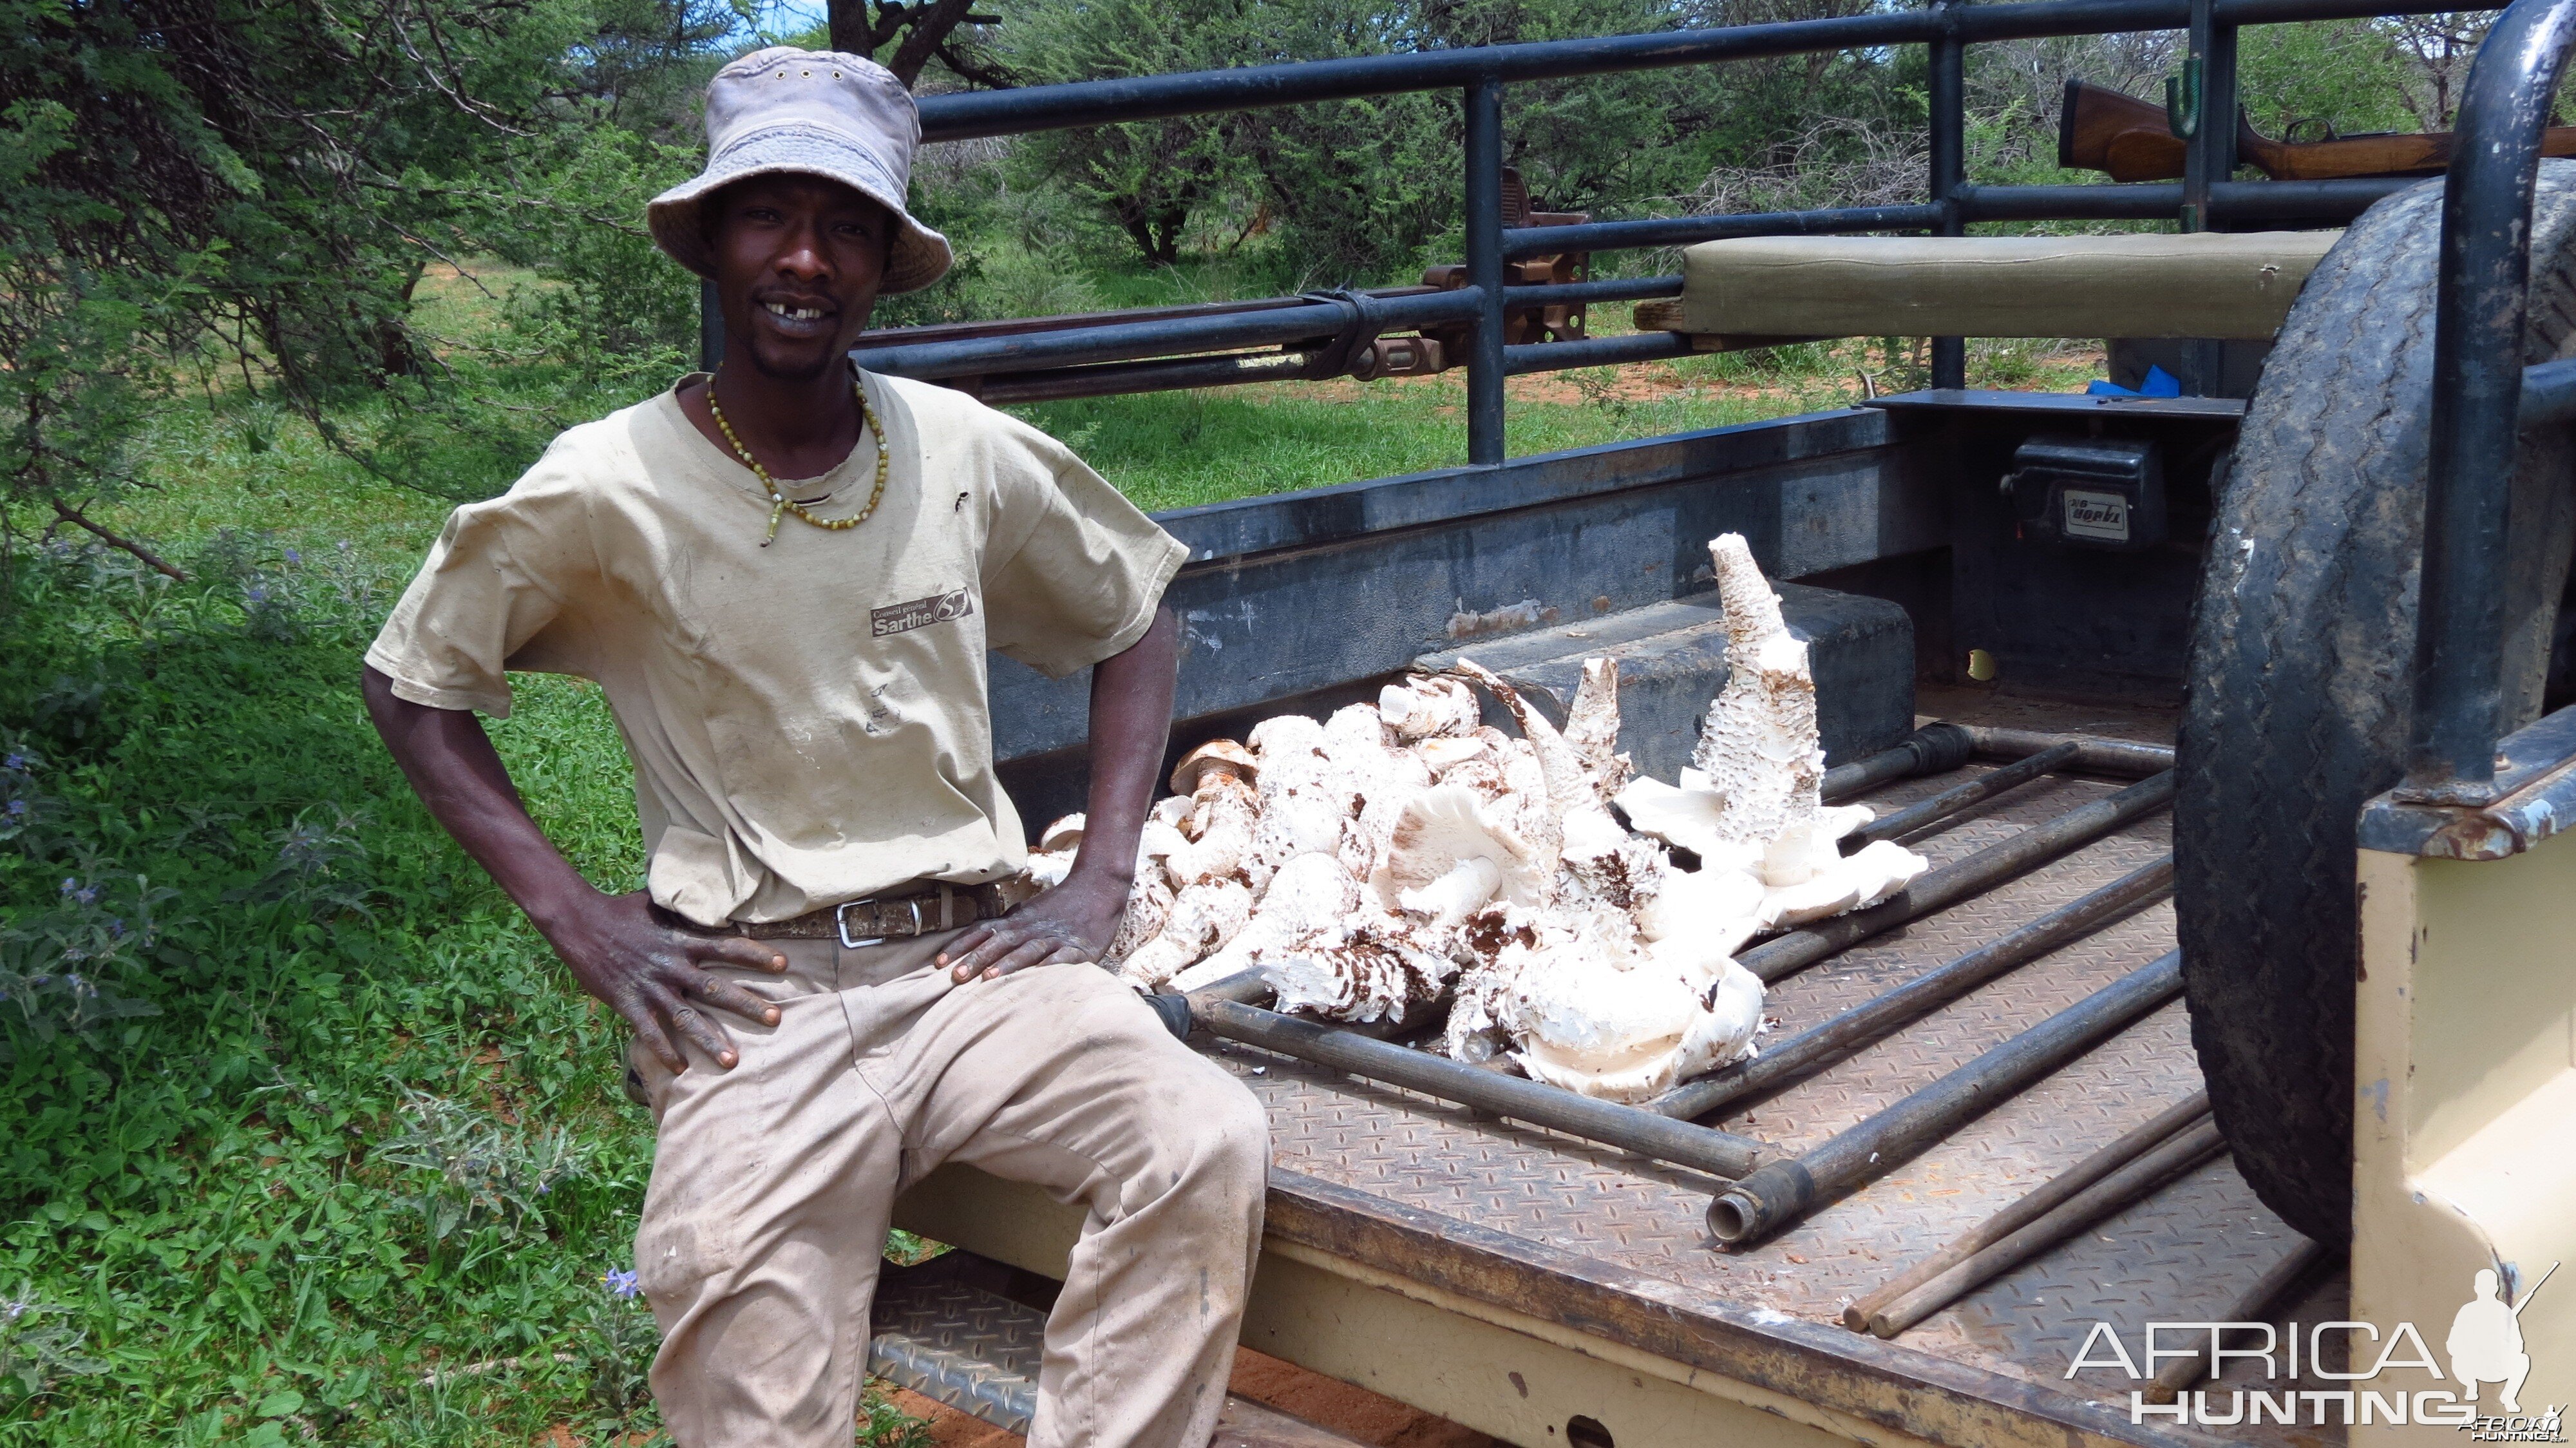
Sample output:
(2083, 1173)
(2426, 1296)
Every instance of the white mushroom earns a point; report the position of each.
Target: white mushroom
(1204, 917)
(1372, 968)
(1053, 859)
(1446, 752)
(1592, 727)
(1306, 897)
(1446, 858)
(1224, 810)
(1149, 909)
(1752, 804)
(1608, 1025)
(1427, 708)
(1853, 882)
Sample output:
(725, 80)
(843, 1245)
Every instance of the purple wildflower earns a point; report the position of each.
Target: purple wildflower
(294, 557)
(621, 1282)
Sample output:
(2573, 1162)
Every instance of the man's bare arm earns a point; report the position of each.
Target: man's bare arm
(648, 972)
(1131, 721)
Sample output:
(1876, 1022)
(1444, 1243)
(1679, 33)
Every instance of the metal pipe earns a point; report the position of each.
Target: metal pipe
(1939, 889)
(2480, 304)
(1932, 749)
(1164, 374)
(1718, 1153)
(1613, 289)
(1019, 110)
(2338, 200)
(1595, 352)
(1961, 796)
(1129, 341)
(1948, 105)
(1831, 1040)
(1068, 321)
(1784, 1189)
(1484, 224)
(2155, 1168)
(2548, 394)
(2124, 757)
(2209, 157)
(2255, 1304)
(1529, 241)
(1865, 1314)
(1244, 987)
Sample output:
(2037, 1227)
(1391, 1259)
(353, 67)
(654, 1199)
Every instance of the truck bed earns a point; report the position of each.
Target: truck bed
(1604, 1255)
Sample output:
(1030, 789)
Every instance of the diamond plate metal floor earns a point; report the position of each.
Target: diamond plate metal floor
(2184, 1253)
(959, 1330)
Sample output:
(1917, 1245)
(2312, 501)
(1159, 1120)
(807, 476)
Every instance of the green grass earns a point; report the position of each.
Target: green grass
(360, 1175)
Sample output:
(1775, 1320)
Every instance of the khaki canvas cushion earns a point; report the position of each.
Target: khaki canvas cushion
(2207, 284)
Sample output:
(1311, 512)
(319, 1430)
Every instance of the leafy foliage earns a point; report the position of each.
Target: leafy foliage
(479, 1172)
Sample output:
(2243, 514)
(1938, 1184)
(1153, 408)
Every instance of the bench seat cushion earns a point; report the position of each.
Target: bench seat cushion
(2208, 284)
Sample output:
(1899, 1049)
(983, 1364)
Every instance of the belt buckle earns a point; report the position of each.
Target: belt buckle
(841, 921)
(841, 924)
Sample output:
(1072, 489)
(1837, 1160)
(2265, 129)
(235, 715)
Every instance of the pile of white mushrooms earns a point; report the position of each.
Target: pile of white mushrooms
(1402, 856)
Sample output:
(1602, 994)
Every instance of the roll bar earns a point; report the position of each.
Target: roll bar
(2483, 397)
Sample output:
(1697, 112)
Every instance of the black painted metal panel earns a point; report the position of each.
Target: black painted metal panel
(1314, 592)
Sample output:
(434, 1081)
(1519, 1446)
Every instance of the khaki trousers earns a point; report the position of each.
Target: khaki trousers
(773, 1183)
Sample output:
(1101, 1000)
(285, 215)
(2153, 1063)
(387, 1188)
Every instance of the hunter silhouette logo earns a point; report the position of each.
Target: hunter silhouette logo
(2485, 1346)
(2486, 1339)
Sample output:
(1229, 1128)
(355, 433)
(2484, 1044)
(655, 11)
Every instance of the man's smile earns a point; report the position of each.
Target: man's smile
(799, 317)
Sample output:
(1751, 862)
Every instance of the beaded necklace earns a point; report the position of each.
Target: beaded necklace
(779, 502)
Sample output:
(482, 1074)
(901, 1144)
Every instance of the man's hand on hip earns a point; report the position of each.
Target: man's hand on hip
(657, 977)
(1069, 924)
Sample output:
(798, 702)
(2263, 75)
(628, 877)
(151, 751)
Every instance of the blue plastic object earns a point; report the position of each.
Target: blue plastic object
(2157, 383)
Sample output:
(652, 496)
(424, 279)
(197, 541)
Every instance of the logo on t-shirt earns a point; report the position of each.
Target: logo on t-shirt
(895, 618)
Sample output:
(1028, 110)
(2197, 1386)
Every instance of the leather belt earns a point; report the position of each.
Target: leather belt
(922, 910)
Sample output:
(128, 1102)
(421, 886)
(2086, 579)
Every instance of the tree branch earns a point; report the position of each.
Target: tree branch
(155, 561)
(928, 27)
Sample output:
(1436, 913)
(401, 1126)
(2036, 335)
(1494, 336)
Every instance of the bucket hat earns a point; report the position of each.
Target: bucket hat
(819, 112)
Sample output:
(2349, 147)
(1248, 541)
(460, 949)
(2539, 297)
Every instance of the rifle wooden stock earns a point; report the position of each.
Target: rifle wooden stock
(2105, 130)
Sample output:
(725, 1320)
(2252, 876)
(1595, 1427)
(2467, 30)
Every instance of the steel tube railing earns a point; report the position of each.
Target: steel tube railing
(1484, 207)
(1718, 1153)
(1479, 73)
(1936, 890)
(1949, 166)
(1528, 241)
(1958, 797)
(974, 114)
(1783, 1189)
(2478, 378)
(1127, 342)
(1829, 1041)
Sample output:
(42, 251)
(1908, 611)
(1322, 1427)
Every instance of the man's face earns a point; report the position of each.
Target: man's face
(798, 260)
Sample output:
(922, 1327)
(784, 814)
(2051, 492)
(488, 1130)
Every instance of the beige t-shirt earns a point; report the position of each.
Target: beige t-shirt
(808, 721)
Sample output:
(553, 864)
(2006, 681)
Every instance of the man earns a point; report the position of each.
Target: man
(2486, 1341)
(785, 578)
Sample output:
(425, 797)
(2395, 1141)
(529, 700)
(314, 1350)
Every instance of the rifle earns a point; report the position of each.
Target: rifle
(2105, 130)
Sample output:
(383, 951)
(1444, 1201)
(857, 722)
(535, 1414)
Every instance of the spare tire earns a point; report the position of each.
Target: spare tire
(2298, 692)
